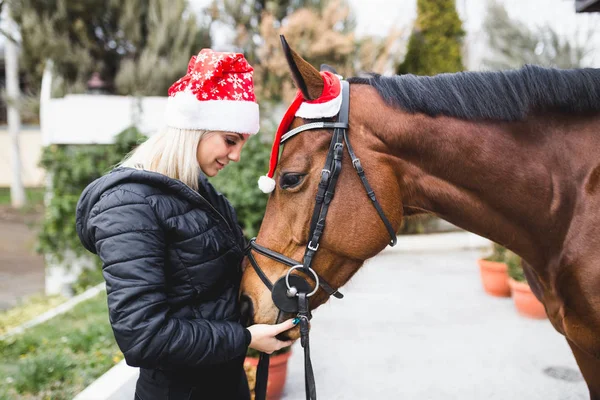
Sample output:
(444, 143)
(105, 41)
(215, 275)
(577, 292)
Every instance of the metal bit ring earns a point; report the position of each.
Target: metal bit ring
(316, 277)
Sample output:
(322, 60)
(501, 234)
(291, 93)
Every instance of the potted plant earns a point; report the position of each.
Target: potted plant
(494, 275)
(525, 301)
(277, 371)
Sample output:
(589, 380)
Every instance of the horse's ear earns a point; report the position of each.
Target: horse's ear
(328, 68)
(305, 76)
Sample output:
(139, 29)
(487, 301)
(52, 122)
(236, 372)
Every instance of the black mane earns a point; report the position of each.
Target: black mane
(500, 95)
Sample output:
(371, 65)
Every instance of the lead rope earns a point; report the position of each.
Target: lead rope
(262, 370)
(262, 376)
(309, 376)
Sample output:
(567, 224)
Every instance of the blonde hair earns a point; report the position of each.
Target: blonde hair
(171, 152)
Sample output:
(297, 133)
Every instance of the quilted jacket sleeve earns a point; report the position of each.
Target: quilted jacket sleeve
(131, 245)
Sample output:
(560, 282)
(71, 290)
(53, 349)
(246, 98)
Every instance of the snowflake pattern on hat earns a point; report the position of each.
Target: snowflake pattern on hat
(216, 93)
(217, 76)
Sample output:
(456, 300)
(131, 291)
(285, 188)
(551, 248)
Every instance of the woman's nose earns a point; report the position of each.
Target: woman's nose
(235, 155)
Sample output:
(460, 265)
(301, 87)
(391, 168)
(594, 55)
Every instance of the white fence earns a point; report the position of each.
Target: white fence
(97, 119)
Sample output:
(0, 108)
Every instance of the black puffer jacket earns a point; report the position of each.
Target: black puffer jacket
(172, 263)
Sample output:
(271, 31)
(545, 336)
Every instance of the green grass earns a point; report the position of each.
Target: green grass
(27, 310)
(35, 196)
(58, 359)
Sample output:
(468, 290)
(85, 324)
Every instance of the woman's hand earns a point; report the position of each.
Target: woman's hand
(263, 336)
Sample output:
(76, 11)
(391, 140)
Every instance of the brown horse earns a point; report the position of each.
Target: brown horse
(511, 156)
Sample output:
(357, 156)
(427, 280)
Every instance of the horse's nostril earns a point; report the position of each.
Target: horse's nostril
(246, 310)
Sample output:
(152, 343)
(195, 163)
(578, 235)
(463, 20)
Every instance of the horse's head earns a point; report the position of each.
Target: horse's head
(354, 231)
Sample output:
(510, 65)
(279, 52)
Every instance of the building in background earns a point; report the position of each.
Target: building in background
(29, 137)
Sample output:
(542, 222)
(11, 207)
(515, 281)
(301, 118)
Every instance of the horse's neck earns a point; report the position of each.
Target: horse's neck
(495, 179)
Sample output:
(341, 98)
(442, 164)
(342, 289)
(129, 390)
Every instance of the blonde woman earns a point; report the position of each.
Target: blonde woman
(170, 243)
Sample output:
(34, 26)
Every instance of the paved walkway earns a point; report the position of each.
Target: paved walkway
(418, 326)
(21, 269)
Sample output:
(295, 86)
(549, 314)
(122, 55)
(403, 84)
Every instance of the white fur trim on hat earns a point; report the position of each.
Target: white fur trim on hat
(320, 110)
(185, 111)
(266, 184)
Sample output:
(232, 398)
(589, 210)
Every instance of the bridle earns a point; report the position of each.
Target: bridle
(291, 292)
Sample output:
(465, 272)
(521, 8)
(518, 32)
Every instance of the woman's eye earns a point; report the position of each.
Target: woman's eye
(230, 142)
(289, 181)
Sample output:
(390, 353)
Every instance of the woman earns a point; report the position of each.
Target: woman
(170, 244)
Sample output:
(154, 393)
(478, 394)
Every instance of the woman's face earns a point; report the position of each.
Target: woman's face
(217, 148)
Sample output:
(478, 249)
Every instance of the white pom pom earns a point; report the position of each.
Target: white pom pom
(266, 184)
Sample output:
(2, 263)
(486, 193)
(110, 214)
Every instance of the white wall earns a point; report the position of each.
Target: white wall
(86, 119)
(77, 119)
(30, 142)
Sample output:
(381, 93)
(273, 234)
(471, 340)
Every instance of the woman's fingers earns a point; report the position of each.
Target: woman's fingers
(284, 326)
(264, 336)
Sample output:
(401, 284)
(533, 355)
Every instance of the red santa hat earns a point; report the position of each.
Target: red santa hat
(216, 93)
(326, 106)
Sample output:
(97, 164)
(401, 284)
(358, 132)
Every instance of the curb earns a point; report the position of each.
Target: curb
(114, 384)
(61, 309)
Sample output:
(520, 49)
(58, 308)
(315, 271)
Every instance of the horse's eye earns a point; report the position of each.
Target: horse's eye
(290, 180)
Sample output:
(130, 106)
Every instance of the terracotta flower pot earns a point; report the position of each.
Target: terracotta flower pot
(494, 277)
(277, 374)
(525, 301)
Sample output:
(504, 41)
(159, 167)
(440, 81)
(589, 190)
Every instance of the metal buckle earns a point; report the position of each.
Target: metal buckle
(311, 247)
(337, 151)
(316, 277)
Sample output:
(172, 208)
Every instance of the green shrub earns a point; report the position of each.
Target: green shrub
(88, 278)
(42, 369)
(513, 261)
(435, 45)
(515, 267)
(498, 253)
